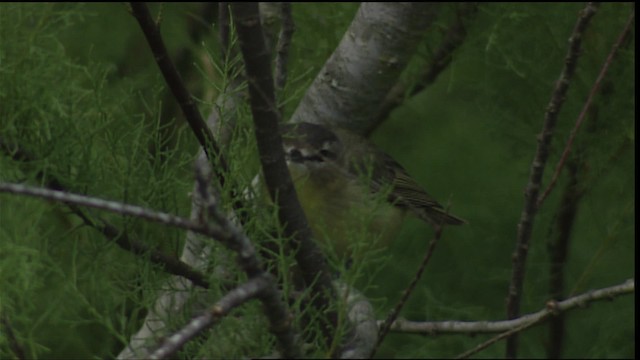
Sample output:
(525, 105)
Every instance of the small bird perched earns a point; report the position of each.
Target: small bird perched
(337, 175)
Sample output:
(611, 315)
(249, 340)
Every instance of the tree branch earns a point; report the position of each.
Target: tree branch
(196, 251)
(282, 48)
(274, 308)
(361, 339)
(265, 116)
(371, 56)
(115, 207)
(169, 263)
(198, 26)
(224, 231)
(553, 308)
(434, 328)
(558, 252)
(587, 106)
(384, 328)
(234, 298)
(176, 85)
(442, 57)
(525, 227)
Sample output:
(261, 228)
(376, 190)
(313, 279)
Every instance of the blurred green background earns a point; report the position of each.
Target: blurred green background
(79, 90)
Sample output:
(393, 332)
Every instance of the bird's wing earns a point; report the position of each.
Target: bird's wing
(404, 192)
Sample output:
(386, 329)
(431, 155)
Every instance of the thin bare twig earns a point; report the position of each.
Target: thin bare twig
(391, 318)
(434, 328)
(558, 249)
(274, 307)
(282, 48)
(115, 207)
(223, 231)
(495, 339)
(587, 106)
(169, 263)
(177, 87)
(266, 117)
(553, 308)
(234, 298)
(508, 327)
(234, 239)
(455, 36)
(278, 316)
(197, 27)
(525, 227)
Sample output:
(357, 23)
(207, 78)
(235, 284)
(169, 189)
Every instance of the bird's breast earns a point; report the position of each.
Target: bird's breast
(343, 212)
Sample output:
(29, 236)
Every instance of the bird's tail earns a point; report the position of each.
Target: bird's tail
(440, 216)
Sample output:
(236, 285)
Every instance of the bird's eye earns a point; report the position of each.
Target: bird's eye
(296, 155)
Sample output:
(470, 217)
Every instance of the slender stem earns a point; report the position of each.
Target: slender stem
(587, 106)
(384, 328)
(284, 43)
(525, 227)
(234, 298)
(453, 39)
(177, 87)
(558, 252)
(276, 174)
(553, 308)
(115, 207)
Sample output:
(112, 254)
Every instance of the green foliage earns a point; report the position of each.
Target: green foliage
(79, 91)
(93, 136)
(470, 138)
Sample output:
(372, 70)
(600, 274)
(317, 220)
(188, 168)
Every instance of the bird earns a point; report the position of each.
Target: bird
(345, 184)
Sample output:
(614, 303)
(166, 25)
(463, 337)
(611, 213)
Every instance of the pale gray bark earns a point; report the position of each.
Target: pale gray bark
(371, 56)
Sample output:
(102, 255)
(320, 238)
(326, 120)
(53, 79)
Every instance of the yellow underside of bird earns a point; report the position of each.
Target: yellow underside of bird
(348, 219)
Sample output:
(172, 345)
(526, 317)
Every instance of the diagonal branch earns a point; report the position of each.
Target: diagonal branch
(176, 85)
(525, 227)
(386, 325)
(453, 39)
(278, 181)
(434, 328)
(558, 249)
(196, 251)
(349, 89)
(275, 308)
(234, 298)
(223, 231)
(553, 308)
(169, 263)
(587, 106)
(284, 43)
(509, 327)
(116, 207)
